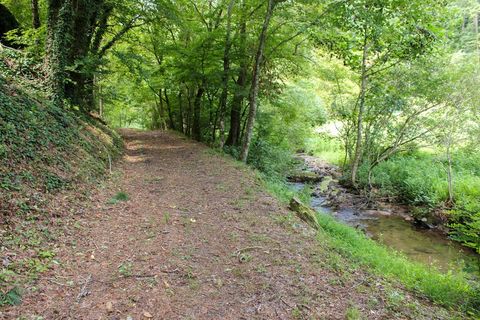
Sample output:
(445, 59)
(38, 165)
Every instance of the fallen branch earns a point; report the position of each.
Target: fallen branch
(248, 249)
(84, 292)
(170, 271)
(141, 276)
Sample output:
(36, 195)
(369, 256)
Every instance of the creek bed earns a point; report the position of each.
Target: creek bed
(422, 245)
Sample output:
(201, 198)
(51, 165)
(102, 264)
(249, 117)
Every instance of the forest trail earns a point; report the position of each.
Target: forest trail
(197, 239)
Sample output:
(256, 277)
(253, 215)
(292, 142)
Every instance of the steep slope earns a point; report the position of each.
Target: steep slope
(48, 157)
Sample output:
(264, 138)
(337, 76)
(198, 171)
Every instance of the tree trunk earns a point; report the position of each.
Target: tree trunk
(451, 197)
(361, 111)
(163, 124)
(60, 17)
(80, 89)
(197, 105)
(256, 82)
(75, 29)
(226, 74)
(180, 112)
(35, 15)
(189, 113)
(233, 138)
(52, 19)
(169, 110)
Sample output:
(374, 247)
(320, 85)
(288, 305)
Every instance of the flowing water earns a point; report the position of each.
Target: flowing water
(426, 246)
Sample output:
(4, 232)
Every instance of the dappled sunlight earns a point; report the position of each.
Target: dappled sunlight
(135, 159)
(363, 115)
(168, 147)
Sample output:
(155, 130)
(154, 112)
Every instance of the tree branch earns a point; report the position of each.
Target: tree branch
(119, 35)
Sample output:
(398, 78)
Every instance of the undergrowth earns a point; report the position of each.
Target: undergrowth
(420, 179)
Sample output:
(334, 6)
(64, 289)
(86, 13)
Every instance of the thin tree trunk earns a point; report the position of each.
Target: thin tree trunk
(197, 105)
(214, 123)
(169, 110)
(180, 112)
(243, 124)
(451, 197)
(163, 124)
(226, 74)
(256, 83)
(189, 113)
(361, 111)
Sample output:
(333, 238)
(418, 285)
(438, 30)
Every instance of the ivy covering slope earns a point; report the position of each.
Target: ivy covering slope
(46, 154)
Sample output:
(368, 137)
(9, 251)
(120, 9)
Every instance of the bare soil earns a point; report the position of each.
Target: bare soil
(199, 239)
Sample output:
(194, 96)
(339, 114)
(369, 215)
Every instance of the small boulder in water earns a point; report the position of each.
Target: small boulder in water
(304, 176)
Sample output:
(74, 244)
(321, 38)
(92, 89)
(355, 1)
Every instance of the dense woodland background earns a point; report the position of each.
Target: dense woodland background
(388, 90)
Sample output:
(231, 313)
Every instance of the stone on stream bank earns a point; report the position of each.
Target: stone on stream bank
(305, 176)
(325, 184)
(305, 213)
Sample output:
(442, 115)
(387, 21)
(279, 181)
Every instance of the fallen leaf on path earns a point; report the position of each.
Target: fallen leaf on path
(147, 314)
(109, 306)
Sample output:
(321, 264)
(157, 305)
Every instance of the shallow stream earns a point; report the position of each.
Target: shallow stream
(422, 245)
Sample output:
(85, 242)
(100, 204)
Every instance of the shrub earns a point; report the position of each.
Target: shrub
(271, 160)
(420, 179)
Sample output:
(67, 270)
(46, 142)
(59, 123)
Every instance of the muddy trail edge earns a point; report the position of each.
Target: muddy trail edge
(197, 239)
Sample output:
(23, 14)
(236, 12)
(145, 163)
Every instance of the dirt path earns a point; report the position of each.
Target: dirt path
(197, 239)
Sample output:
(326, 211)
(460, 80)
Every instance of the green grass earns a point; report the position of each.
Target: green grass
(119, 197)
(327, 148)
(353, 313)
(13, 297)
(282, 191)
(450, 289)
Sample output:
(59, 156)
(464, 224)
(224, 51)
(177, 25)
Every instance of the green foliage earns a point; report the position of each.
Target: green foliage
(284, 126)
(465, 217)
(420, 179)
(270, 159)
(44, 134)
(327, 148)
(353, 314)
(119, 197)
(13, 297)
(416, 179)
